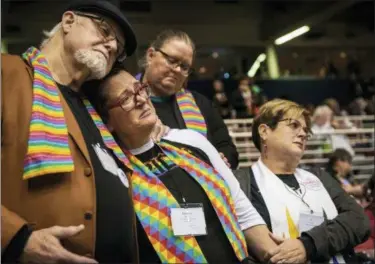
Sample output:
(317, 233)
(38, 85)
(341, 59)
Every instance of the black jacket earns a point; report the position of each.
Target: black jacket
(350, 228)
(217, 131)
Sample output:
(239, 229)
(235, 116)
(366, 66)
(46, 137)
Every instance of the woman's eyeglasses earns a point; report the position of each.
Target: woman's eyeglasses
(185, 68)
(296, 126)
(128, 99)
(108, 33)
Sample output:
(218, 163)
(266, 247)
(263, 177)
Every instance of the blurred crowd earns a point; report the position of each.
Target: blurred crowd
(245, 101)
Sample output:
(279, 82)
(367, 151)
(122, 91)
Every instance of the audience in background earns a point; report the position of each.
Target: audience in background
(340, 167)
(329, 70)
(321, 119)
(370, 108)
(221, 100)
(258, 101)
(359, 106)
(334, 105)
(310, 107)
(322, 123)
(353, 68)
(242, 100)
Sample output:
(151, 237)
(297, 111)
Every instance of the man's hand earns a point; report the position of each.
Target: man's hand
(288, 251)
(159, 131)
(224, 159)
(43, 246)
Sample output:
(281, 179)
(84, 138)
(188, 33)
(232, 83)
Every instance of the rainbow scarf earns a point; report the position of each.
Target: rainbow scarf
(152, 203)
(48, 149)
(108, 139)
(190, 112)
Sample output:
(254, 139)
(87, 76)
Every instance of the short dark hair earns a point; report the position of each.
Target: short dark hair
(339, 154)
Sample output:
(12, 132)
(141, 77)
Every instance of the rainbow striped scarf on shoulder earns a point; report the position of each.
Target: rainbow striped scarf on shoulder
(48, 148)
(190, 112)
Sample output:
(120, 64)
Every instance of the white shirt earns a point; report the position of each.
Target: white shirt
(247, 215)
(337, 141)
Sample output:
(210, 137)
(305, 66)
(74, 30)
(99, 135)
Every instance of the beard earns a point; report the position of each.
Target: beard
(94, 61)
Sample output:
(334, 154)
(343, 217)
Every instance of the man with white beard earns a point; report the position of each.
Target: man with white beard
(64, 191)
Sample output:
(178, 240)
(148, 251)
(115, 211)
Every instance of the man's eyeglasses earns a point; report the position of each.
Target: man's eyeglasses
(186, 69)
(296, 126)
(127, 100)
(108, 33)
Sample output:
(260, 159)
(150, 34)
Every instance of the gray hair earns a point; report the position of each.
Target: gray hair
(322, 110)
(49, 34)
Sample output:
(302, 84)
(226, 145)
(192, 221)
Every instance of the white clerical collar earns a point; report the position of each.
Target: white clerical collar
(142, 149)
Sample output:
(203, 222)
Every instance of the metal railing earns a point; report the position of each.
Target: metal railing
(249, 121)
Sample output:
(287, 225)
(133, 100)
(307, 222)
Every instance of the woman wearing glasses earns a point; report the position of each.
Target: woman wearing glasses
(317, 219)
(190, 207)
(166, 66)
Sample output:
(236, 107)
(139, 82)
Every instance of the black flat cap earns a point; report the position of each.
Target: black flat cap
(107, 9)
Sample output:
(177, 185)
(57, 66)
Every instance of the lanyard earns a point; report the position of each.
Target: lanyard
(300, 196)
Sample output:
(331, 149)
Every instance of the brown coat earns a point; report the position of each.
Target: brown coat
(57, 199)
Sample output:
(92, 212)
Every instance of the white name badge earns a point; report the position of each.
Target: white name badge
(106, 159)
(188, 220)
(308, 220)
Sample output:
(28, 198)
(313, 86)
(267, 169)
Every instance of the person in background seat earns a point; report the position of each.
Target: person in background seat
(340, 167)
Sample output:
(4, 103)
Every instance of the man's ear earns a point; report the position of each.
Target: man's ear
(263, 131)
(150, 53)
(67, 20)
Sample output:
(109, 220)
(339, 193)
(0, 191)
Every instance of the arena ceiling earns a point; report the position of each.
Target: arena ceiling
(234, 29)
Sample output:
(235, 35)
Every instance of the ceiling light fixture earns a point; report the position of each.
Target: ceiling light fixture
(254, 68)
(291, 35)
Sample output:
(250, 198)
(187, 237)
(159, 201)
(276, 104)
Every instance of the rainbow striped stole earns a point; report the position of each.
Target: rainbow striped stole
(108, 139)
(48, 149)
(217, 191)
(190, 112)
(152, 203)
